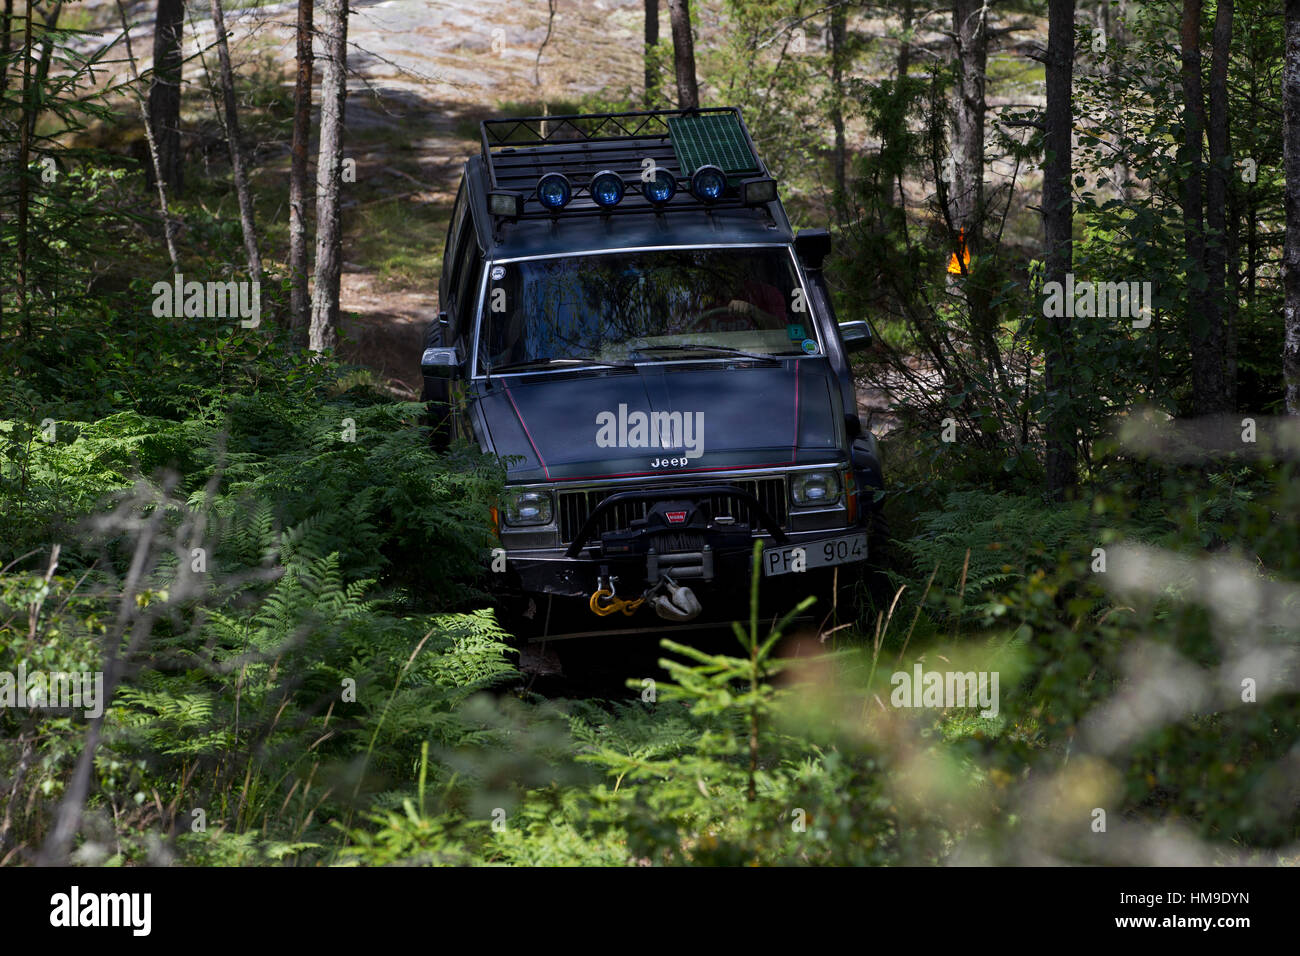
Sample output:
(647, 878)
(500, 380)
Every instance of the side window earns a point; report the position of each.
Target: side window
(469, 268)
(450, 259)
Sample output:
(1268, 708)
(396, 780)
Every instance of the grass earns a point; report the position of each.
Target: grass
(401, 240)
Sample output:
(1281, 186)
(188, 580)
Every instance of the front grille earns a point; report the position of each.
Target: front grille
(575, 506)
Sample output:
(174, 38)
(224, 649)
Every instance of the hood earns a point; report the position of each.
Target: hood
(677, 418)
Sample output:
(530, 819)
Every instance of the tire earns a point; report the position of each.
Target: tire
(880, 558)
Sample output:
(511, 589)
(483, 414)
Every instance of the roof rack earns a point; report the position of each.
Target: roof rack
(517, 152)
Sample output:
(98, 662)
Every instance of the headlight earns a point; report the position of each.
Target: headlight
(815, 488)
(526, 507)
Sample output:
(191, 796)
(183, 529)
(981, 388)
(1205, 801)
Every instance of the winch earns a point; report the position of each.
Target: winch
(679, 537)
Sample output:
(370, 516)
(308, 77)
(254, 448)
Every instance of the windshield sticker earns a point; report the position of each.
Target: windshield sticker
(498, 273)
(809, 346)
(796, 332)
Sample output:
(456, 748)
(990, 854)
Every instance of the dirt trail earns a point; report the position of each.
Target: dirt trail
(426, 69)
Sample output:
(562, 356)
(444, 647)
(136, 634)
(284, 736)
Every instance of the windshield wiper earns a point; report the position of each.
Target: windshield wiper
(694, 347)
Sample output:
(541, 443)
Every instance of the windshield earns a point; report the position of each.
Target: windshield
(656, 305)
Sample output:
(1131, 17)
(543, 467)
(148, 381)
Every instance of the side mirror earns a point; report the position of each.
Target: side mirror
(812, 246)
(856, 335)
(440, 362)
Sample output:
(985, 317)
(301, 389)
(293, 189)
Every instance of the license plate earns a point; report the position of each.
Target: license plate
(816, 554)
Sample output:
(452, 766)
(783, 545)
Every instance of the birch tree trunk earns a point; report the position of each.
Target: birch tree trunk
(329, 177)
(971, 28)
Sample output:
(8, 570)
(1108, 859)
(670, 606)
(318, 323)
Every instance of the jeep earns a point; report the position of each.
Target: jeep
(628, 320)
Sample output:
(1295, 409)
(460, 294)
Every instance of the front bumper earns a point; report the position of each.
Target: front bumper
(552, 571)
(698, 532)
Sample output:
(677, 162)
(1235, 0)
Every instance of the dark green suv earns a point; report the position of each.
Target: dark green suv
(630, 322)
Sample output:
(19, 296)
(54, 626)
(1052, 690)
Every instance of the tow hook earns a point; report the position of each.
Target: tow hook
(605, 601)
(616, 604)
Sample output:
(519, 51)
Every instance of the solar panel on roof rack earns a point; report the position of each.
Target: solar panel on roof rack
(712, 139)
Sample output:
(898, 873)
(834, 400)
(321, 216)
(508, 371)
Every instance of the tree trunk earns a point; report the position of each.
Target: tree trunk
(688, 88)
(904, 62)
(839, 57)
(1252, 196)
(299, 301)
(901, 66)
(1232, 303)
(966, 197)
(971, 27)
(242, 192)
(43, 64)
(1058, 214)
(329, 177)
(1291, 246)
(651, 60)
(24, 176)
(1117, 36)
(165, 91)
(1216, 250)
(1202, 311)
(6, 41)
(155, 159)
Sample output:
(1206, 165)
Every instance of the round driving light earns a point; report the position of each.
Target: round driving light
(708, 183)
(661, 187)
(554, 191)
(607, 188)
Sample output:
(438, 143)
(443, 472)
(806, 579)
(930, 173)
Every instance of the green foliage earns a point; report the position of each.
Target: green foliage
(979, 544)
(321, 681)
